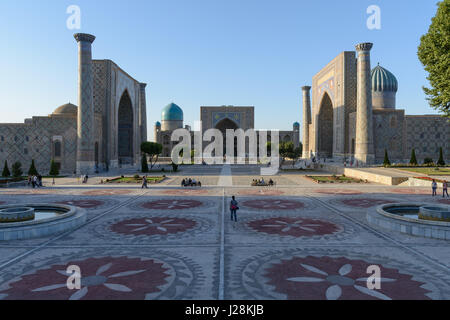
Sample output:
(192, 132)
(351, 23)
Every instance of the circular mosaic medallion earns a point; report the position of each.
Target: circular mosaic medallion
(153, 226)
(274, 204)
(314, 278)
(107, 192)
(112, 278)
(87, 204)
(260, 192)
(171, 204)
(185, 192)
(337, 192)
(364, 203)
(294, 227)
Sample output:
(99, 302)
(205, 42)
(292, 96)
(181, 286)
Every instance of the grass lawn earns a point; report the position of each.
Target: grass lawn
(430, 171)
(135, 180)
(335, 179)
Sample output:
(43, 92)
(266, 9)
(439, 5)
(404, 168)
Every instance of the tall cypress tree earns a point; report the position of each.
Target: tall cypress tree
(413, 160)
(54, 171)
(441, 161)
(6, 172)
(386, 161)
(33, 171)
(144, 163)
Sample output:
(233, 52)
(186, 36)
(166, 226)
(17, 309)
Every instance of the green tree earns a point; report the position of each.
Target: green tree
(386, 161)
(441, 161)
(6, 172)
(54, 170)
(153, 150)
(174, 167)
(144, 164)
(413, 160)
(17, 169)
(296, 155)
(434, 53)
(32, 171)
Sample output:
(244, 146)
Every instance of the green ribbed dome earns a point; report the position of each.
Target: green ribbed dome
(172, 112)
(158, 124)
(296, 124)
(383, 80)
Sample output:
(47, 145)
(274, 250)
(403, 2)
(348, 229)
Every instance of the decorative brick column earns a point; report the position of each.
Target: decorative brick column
(364, 150)
(306, 121)
(85, 141)
(142, 112)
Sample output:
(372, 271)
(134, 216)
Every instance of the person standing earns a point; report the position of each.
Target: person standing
(234, 208)
(445, 189)
(434, 188)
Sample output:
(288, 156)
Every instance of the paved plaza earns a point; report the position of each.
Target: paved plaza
(298, 240)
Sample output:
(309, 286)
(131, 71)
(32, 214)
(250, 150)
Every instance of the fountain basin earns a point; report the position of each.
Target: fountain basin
(434, 213)
(404, 218)
(48, 219)
(16, 214)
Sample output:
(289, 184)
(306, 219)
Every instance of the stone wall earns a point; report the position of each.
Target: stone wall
(426, 134)
(389, 134)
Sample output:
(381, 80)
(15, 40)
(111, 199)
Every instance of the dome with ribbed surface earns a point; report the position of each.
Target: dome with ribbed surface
(172, 112)
(158, 124)
(296, 124)
(383, 80)
(66, 109)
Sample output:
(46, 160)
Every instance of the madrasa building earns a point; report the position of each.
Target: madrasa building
(350, 112)
(104, 131)
(214, 117)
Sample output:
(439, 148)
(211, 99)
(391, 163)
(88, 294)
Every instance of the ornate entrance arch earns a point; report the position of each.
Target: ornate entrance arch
(125, 132)
(326, 127)
(223, 125)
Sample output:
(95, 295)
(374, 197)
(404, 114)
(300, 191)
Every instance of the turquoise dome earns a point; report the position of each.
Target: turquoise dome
(383, 80)
(158, 124)
(296, 124)
(172, 112)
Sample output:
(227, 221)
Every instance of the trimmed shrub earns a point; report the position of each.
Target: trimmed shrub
(17, 169)
(54, 171)
(386, 161)
(6, 173)
(441, 161)
(32, 171)
(428, 162)
(413, 160)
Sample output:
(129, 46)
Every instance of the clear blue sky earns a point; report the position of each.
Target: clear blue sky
(205, 52)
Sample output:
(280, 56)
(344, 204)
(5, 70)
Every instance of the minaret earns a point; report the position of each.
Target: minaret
(306, 121)
(364, 150)
(85, 141)
(143, 112)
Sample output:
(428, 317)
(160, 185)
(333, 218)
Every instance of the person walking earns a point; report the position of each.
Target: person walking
(434, 188)
(445, 189)
(144, 182)
(234, 208)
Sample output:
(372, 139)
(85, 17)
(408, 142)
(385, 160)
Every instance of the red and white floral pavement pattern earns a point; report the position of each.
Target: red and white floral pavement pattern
(320, 278)
(260, 192)
(410, 191)
(107, 192)
(185, 192)
(153, 226)
(2, 203)
(294, 227)
(338, 192)
(365, 203)
(109, 278)
(445, 201)
(87, 204)
(273, 204)
(172, 204)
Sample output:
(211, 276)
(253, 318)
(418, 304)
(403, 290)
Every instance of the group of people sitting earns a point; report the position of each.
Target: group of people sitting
(262, 183)
(35, 181)
(190, 183)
